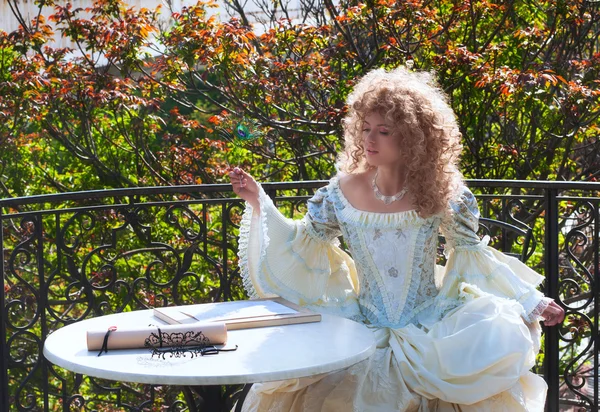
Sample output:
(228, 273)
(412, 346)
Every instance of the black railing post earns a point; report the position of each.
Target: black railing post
(223, 285)
(42, 301)
(3, 348)
(596, 290)
(551, 366)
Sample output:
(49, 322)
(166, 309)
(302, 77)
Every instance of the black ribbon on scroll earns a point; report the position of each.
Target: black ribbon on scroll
(181, 344)
(104, 347)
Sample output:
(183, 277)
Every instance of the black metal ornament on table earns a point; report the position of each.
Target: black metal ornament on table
(181, 345)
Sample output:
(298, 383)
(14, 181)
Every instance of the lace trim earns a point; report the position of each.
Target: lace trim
(536, 312)
(348, 213)
(365, 258)
(244, 241)
(413, 279)
(416, 259)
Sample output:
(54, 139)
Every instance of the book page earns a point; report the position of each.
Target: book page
(210, 312)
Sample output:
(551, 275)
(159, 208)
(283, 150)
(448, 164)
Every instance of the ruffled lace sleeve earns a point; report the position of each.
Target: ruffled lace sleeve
(299, 260)
(472, 262)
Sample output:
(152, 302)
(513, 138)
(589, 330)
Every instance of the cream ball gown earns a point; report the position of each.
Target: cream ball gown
(460, 337)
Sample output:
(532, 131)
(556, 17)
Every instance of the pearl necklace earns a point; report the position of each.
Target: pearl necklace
(387, 199)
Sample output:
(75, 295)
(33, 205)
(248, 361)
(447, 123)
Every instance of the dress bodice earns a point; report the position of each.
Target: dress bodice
(395, 257)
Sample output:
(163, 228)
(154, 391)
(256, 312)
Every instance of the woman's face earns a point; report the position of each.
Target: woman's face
(382, 146)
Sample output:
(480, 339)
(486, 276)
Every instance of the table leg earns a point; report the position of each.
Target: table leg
(215, 398)
(189, 399)
(242, 398)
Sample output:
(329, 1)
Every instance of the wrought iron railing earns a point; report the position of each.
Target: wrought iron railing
(71, 256)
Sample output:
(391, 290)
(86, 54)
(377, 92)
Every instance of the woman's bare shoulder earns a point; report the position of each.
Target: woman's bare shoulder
(353, 184)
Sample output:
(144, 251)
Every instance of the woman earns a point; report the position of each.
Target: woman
(459, 337)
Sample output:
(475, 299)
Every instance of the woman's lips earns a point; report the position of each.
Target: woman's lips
(372, 152)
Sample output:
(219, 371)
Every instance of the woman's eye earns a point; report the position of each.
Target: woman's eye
(384, 132)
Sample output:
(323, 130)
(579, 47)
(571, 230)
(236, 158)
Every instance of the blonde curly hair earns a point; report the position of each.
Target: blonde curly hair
(421, 117)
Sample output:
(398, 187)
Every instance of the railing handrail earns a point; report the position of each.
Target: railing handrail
(148, 190)
(269, 186)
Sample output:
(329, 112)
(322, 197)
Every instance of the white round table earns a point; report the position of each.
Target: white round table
(263, 354)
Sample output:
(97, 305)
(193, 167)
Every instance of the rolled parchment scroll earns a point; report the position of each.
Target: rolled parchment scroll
(131, 337)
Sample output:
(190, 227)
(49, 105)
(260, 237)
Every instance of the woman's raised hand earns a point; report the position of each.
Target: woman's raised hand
(245, 186)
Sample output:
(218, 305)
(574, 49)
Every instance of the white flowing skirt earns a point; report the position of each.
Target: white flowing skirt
(477, 358)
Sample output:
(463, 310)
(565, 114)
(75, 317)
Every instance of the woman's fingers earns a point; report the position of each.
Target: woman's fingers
(237, 172)
(553, 314)
(236, 179)
(237, 175)
(240, 171)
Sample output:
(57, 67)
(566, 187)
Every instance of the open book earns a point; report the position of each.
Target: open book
(241, 314)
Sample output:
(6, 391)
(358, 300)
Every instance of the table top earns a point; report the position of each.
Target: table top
(263, 354)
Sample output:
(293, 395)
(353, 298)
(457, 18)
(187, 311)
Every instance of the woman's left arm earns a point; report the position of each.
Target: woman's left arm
(472, 261)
